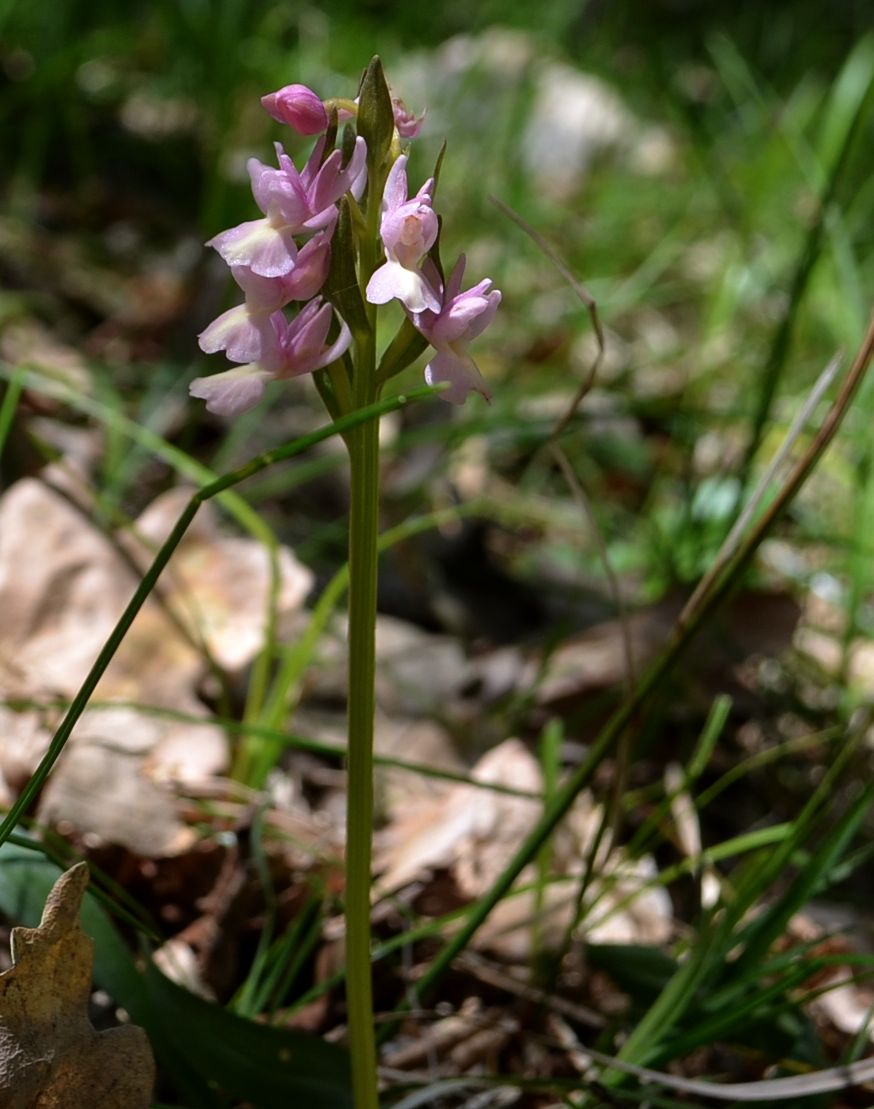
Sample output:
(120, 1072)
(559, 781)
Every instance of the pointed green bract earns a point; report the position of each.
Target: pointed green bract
(347, 141)
(375, 121)
(403, 350)
(342, 286)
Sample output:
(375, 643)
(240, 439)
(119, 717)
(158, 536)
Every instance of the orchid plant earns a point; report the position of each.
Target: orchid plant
(339, 239)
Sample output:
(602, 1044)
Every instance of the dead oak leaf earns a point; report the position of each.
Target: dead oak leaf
(63, 586)
(219, 585)
(464, 829)
(473, 834)
(50, 1055)
(103, 792)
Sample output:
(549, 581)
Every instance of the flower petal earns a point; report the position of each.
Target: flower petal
(303, 341)
(408, 124)
(278, 190)
(231, 392)
(409, 232)
(267, 250)
(311, 269)
(395, 193)
(339, 347)
(458, 369)
(453, 282)
(467, 316)
(306, 334)
(244, 336)
(478, 325)
(392, 280)
(262, 293)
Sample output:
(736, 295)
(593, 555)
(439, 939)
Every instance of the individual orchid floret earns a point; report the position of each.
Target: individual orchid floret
(325, 182)
(407, 123)
(302, 345)
(293, 204)
(299, 107)
(408, 229)
(297, 348)
(463, 316)
(245, 332)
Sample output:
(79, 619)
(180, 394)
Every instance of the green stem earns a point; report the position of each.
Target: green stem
(286, 685)
(363, 446)
(363, 536)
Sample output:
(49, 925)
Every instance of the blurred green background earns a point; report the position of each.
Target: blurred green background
(704, 169)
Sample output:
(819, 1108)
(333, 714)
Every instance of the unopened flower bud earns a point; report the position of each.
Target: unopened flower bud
(299, 107)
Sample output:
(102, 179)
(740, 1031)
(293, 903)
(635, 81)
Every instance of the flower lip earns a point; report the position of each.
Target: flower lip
(232, 392)
(460, 372)
(267, 250)
(242, 334)
(393, 281)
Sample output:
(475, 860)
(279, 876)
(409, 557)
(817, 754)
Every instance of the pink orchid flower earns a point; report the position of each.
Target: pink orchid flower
(408, 229)
(407, 123)
(293, 204)
(462, 317)
(245, 332)
(297, 348)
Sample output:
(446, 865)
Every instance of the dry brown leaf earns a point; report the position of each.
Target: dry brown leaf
(61, 590)
(32, 344)
(102, 791)
(838, 999)
(50, 1055)
(178, 961)
(63, 586)
(755, 623)
(463, 827)
(417, 673)
(473, 833)
(218, 585)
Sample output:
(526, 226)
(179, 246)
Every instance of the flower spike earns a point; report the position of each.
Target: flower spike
(286, 256)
